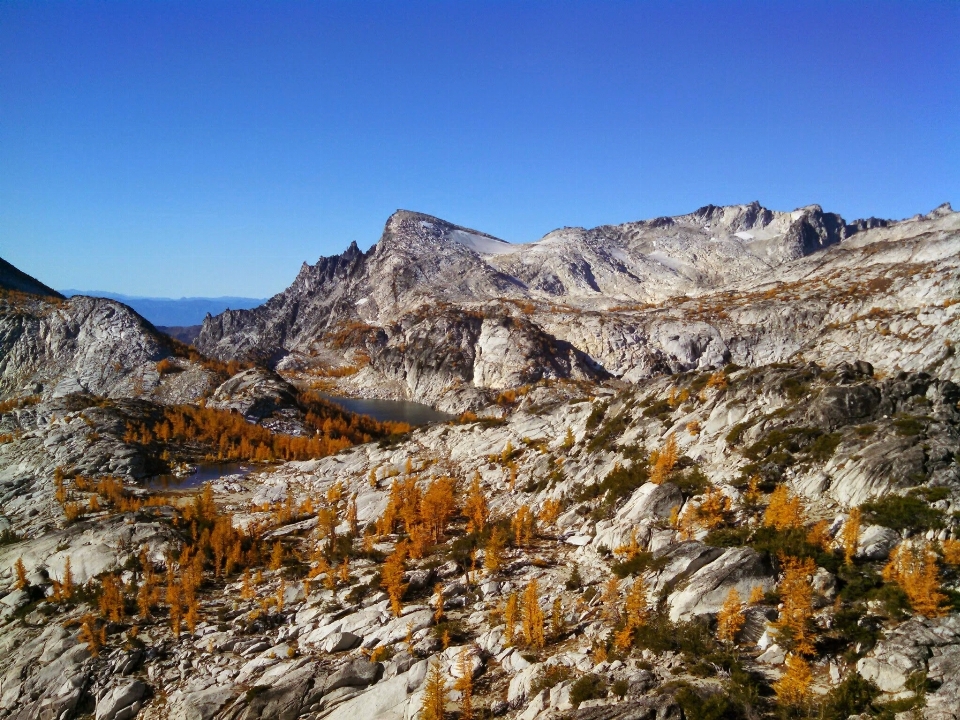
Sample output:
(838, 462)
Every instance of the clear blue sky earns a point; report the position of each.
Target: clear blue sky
(201, 148)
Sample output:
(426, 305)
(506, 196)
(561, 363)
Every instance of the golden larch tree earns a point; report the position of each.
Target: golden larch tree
(437, 506)
(475, 506)
(819, 535)
(951, 552)
(796, 595)
(611, 598)
(664, 460)
(793, 687)
(464, 684)
(522, 525)
(533, 631)
(913, 566)
(636, 609)
(714, 509)
(438, 602)
(730, 619)
(93, 637)
(111, 599)
(434, 695)
(784, 511)
(392, 576)
(493, 552)
(21, 571)
(850, 535)
(550, 511)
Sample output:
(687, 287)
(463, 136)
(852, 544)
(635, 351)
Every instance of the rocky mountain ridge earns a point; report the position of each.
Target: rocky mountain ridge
(449, 316)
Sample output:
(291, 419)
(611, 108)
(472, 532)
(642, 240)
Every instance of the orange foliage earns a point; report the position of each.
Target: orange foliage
(730, 618)
(664, 460)
(796, 594)
(913, 566)
(784, 511)
(392, 576)
(475, 508)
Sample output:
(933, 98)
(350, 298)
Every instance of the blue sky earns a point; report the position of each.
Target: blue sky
(207, 148)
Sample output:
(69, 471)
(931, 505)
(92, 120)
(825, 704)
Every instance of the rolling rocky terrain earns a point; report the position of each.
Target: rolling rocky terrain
(704, 467)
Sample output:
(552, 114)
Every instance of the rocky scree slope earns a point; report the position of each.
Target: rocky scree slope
(451, 317)
(576, 459)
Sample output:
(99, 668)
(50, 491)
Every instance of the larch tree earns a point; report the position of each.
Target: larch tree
(507, 453)
(437, 602)
(93, 637)
(850, 535)
(111, 599)
(533, 630)
(437, 506)
(493, 552)
(636, 609)
(67, 583)
(664, 460)
(730, 619)
(819, 535)
(784, 511)
(951, 551)
(464, 684)
(434, 695)
(714, 509)
(913, 566)
(475, 507)
(392, 576)
(796, 594)
(522, 525)
(793, 687)
(21, 571)
(276, 556)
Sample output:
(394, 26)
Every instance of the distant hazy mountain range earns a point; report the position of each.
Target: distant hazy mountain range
(171, 312)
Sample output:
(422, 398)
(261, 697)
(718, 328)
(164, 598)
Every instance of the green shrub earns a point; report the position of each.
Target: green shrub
(588, 687)
(639, 563)
(908, 426)
(596, 415)
(716, 706)
(661, 407)
(736, 432)
(551, 676)
(608, 432)
(824, 446)
(853, 696)
(619, 483)
(903, 513)
(575, 581)
(691, 481)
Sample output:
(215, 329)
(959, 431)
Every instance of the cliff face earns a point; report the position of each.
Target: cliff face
(626, 301)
